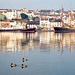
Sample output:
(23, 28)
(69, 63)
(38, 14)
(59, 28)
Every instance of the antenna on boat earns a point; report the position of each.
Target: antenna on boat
(70, 5)
(62, 15)
(70, 13)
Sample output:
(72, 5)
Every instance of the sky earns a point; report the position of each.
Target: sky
(38, 4)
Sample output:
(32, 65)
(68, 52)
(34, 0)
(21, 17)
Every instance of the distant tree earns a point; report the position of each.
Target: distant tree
(24, 16)
(2, 17)
(5, 18)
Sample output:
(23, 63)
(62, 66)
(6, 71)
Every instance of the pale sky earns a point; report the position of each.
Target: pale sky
(37, 4)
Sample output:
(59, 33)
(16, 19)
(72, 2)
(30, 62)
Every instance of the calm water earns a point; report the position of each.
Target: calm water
(47, 53)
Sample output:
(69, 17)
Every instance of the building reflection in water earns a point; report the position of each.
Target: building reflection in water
(13, 42)
(43, 41)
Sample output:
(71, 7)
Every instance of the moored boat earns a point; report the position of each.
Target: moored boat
(63, 30)
(28, 30)
(8, 29)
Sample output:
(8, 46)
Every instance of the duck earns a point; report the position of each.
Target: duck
(24, 59)
(13, 65)
(23, 66)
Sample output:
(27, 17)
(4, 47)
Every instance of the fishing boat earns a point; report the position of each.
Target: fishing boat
(65, 28)
(8, 29)
(21, 29)
(28, 30)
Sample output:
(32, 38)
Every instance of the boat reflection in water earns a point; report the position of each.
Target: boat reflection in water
(46, 41)
(11, 41)
(57, 42)
(48, 53)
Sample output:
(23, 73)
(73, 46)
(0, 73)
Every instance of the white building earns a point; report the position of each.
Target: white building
(11, 14)
(44, 23)
(73, 23)
(55, 23)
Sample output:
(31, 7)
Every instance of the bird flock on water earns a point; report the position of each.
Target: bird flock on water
(22, 65)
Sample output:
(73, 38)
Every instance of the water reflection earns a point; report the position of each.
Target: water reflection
(45, 41)
(65, 41)
(58, 41)
(48, 53)
(15, 41)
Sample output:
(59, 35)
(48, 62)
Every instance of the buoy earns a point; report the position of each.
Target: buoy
(23, 66)
(13, 65)
(24, 59)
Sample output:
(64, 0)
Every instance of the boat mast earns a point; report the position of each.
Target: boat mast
(62, 15)
(70, 14)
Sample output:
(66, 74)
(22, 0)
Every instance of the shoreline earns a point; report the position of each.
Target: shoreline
(44, 30)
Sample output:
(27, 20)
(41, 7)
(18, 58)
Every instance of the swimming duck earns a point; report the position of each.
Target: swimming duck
(23, 66)
(24, 59)
(13, 65)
